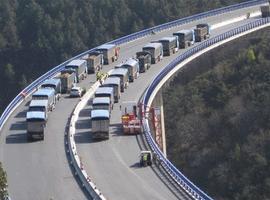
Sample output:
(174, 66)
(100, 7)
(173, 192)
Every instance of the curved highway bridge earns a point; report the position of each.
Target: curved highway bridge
(42, 170)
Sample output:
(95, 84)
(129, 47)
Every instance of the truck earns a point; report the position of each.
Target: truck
(100, 121)
(131, 124)
(102, 103)
(265, 9)
(39, 106)
(170, 45)
(123, 75)
(110, 53)
(94, 62)
(155, 50)
(45, 94)
(67, 78)
(35, 122)
(202, 32)
(144, 59)
(105, 92)
(186, 38)
(53, 83)
(132, 65)
(80, 68)
(115, 83)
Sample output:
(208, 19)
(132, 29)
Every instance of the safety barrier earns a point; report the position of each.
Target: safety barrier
(32, 87)
(183, 181)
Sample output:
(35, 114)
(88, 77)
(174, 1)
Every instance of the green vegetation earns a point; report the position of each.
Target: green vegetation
(3, 183)
(220, 136)
(36, 35)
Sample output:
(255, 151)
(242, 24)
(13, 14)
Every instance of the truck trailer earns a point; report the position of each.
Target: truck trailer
(202, 32)
(110, 53)
(45, 94)
(186, 38)
(123, 75)
(39, 106)
(155, 50)
(80, 68)
(67, 78)
(100, 121)
(132, 65)
(115, 83)
(265, 11)
(144, 59)
(54, 83)
(170, 45)
(36, 122)
(102, 103)
(105, 92)
(94, 62)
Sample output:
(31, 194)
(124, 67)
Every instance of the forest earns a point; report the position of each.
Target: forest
(36, 35)
(220, 136)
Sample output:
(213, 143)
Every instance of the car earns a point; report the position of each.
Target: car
(76, 92)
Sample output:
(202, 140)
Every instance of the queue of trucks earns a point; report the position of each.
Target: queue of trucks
(46, 95)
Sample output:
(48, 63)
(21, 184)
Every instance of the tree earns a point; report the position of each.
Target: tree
(3, 183)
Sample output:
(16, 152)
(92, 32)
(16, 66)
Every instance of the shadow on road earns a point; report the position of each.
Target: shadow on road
(21, 114)
(18, 126)
(83, 137)
(135, 165)
(85, 113)
(83, 124)
(16, 138)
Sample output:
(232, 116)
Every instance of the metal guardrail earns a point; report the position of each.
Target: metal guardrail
(167, 165)
(183, 181)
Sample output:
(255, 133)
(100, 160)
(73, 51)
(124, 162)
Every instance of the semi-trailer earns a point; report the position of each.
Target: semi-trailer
(54, 83)
(202, 32)
(132, 65)
(123, 75)
(45, 94)
(67, 78)
(80, 68)
(110, 53)
(105, 92)
(115, 83)
(100, 122)
(170, 45)
(39, 106)
(155, 50)
(35, 122)
(265, 11)
(144, 59)
(186, 38)
(102, 103)
(94, 61)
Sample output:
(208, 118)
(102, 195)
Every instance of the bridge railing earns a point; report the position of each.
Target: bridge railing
(33, 86)
(168, 166)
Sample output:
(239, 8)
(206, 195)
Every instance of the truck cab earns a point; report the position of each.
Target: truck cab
(39, 106)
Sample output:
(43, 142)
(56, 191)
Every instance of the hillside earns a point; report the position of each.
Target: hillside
(36, 35)
(220, 136)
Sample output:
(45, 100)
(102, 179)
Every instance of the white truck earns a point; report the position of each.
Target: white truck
(115, 83)
(39, 106)
(105, 92)
(100, 121)
(102, 103)
(36, 122)
(53, 83)
(45, 94)
(123, 75)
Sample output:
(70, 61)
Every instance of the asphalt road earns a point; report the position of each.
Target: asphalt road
(40, 170)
